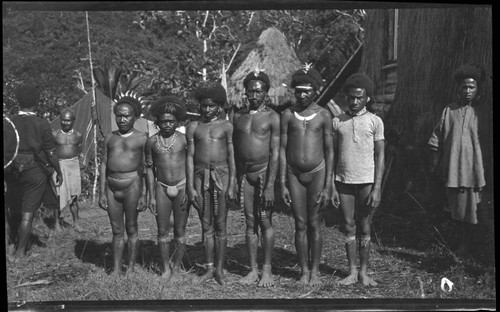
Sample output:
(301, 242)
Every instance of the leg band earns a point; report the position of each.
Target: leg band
(163, 239)
(349, 239)
(181, 240)
(365, 240)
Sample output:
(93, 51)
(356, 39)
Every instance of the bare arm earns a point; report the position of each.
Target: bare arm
(375, 195)
(274, 148)
(230, 160)
(326, 193)
(285, 194)
(150, 175)
(103, 199)
(192, 194)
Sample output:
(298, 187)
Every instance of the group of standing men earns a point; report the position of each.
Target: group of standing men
(212, 159)
(318, 158)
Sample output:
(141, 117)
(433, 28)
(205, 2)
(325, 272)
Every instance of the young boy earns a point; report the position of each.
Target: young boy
(359, 145)
(166, 180)
(121, 179)
(256, 137)
(306, 159)
(211, 175)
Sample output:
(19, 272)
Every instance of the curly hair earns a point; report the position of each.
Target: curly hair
(312, 76)
(261, 76)
(132, 101)
(27, 96)
(68, 111)
(169, 104)
(469, 71)
(359, 80)
(211, 90)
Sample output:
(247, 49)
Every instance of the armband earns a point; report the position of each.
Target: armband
(149, 163)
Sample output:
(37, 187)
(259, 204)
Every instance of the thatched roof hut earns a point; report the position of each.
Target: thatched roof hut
(429, 45)
(273, 54)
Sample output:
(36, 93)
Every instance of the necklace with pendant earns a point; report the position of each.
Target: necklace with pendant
(162, 147)
(304, 119)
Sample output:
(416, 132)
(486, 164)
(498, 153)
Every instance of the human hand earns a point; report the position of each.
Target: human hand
(335, 199)
(59, 179)
(152, 206)
(268, 197)
(141, 205)
(103, 202)
(373, 199)
(324, 197)
(230, 194)
(193, 198)
(285, 195)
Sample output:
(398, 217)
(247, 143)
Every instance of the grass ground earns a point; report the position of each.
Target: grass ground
(408, 260)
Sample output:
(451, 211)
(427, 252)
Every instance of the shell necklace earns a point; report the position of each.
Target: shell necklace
(304, 119)
(162, 147)
(67, 133)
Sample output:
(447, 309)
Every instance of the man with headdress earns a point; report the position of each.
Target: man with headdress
(456, 152)
(29, 172)
(211, 175)
(359, 146)
(68, 143)
(306, 163)
(256, 137)
(166, 153)
(121, 179)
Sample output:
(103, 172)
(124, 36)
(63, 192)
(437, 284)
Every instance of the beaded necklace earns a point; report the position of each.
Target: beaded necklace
(162, 147)
(67, 133)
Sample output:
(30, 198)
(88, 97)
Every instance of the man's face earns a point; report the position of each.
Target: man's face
(357, 99)
(209, 109)
(256, 92)
(305, 94)
(167, 124)
(125, 118)
(67, 121)
(468, 89)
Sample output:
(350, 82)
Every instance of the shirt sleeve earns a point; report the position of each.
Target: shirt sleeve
(378, 129)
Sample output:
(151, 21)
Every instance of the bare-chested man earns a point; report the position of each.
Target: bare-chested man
(306, 159)
(211, 175)
(68, 148)
(166, 180)
(256, 137)
(121, 179)
(359, 146)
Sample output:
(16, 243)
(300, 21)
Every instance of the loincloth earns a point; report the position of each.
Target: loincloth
(121, 181)
(212, 182)
(257, 178)
(299, 174)
(72, 181)
(172, 190)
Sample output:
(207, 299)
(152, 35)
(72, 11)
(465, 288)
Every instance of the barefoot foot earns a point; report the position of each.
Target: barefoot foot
(205, 277)
(351, 279)
(366, 281)
(166, 275)
(304, 279)
(315, 280)
(267, 279)
(220, 277)
(250, 278)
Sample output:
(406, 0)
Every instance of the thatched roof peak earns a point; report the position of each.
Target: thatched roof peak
(273, 54)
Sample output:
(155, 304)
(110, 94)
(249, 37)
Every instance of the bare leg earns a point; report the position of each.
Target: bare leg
(365, 241)
(57, 221)
(298, 195)
(220, 249)
(23, 235)
(348, 203)
(133, 249)
(267, 279)
(181, 214)
(163, 210)
(314, 226)
(115, 213)
(209, 256)
(73, 207)
(251, 237)
(118, 246)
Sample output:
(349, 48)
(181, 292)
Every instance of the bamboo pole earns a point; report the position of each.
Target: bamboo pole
(92, 108)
